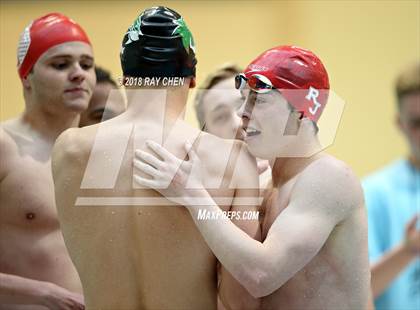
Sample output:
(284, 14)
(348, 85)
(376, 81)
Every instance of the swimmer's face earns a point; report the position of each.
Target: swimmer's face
(409, 122)
(220, 105)
(264, 118)
(63, 78)
(104, 105)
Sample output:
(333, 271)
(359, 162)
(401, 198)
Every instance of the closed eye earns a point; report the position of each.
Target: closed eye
(61, 65)
(86, 64)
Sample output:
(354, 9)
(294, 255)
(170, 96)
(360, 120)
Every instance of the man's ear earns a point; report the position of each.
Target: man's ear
(192, 82)
(25, 82)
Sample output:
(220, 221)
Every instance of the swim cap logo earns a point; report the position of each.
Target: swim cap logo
(24, 42)
(312, 95)
(134, 31)
(185, 33)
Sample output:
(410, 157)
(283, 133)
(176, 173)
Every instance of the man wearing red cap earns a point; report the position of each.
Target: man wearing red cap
(314, 253)
(55, 64)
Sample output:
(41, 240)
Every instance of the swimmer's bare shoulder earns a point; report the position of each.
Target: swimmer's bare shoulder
(7, 147)
(332, 183)
(73, 145)
(69, 156)
(8, 155)
(233, 155)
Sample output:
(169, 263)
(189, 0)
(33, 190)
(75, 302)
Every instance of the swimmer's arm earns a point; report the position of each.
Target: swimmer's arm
(232, 294)
(294, 239)
(23, 291)
(66, 162)
(6, 145)
(67, 171)
(19, 290)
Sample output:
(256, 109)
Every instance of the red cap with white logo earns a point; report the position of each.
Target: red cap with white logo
(298, 74)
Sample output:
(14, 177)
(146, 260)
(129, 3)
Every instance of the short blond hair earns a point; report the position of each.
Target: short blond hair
(225, 71)
(408, 82)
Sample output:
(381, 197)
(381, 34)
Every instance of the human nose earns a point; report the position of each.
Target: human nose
(77, 74)
(245, 110)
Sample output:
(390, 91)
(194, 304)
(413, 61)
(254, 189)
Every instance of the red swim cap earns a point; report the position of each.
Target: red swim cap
(44, 33)
(298, 74)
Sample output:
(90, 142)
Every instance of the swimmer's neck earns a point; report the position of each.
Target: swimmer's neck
(285, 168)
(167, 105)
(47, 125)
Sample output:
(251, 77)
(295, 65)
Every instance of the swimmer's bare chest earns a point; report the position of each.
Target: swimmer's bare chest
(308, 288)
(29, 228)
(27, 201)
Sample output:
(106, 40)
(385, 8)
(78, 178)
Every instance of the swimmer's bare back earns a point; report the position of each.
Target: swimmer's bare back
(129, 252)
